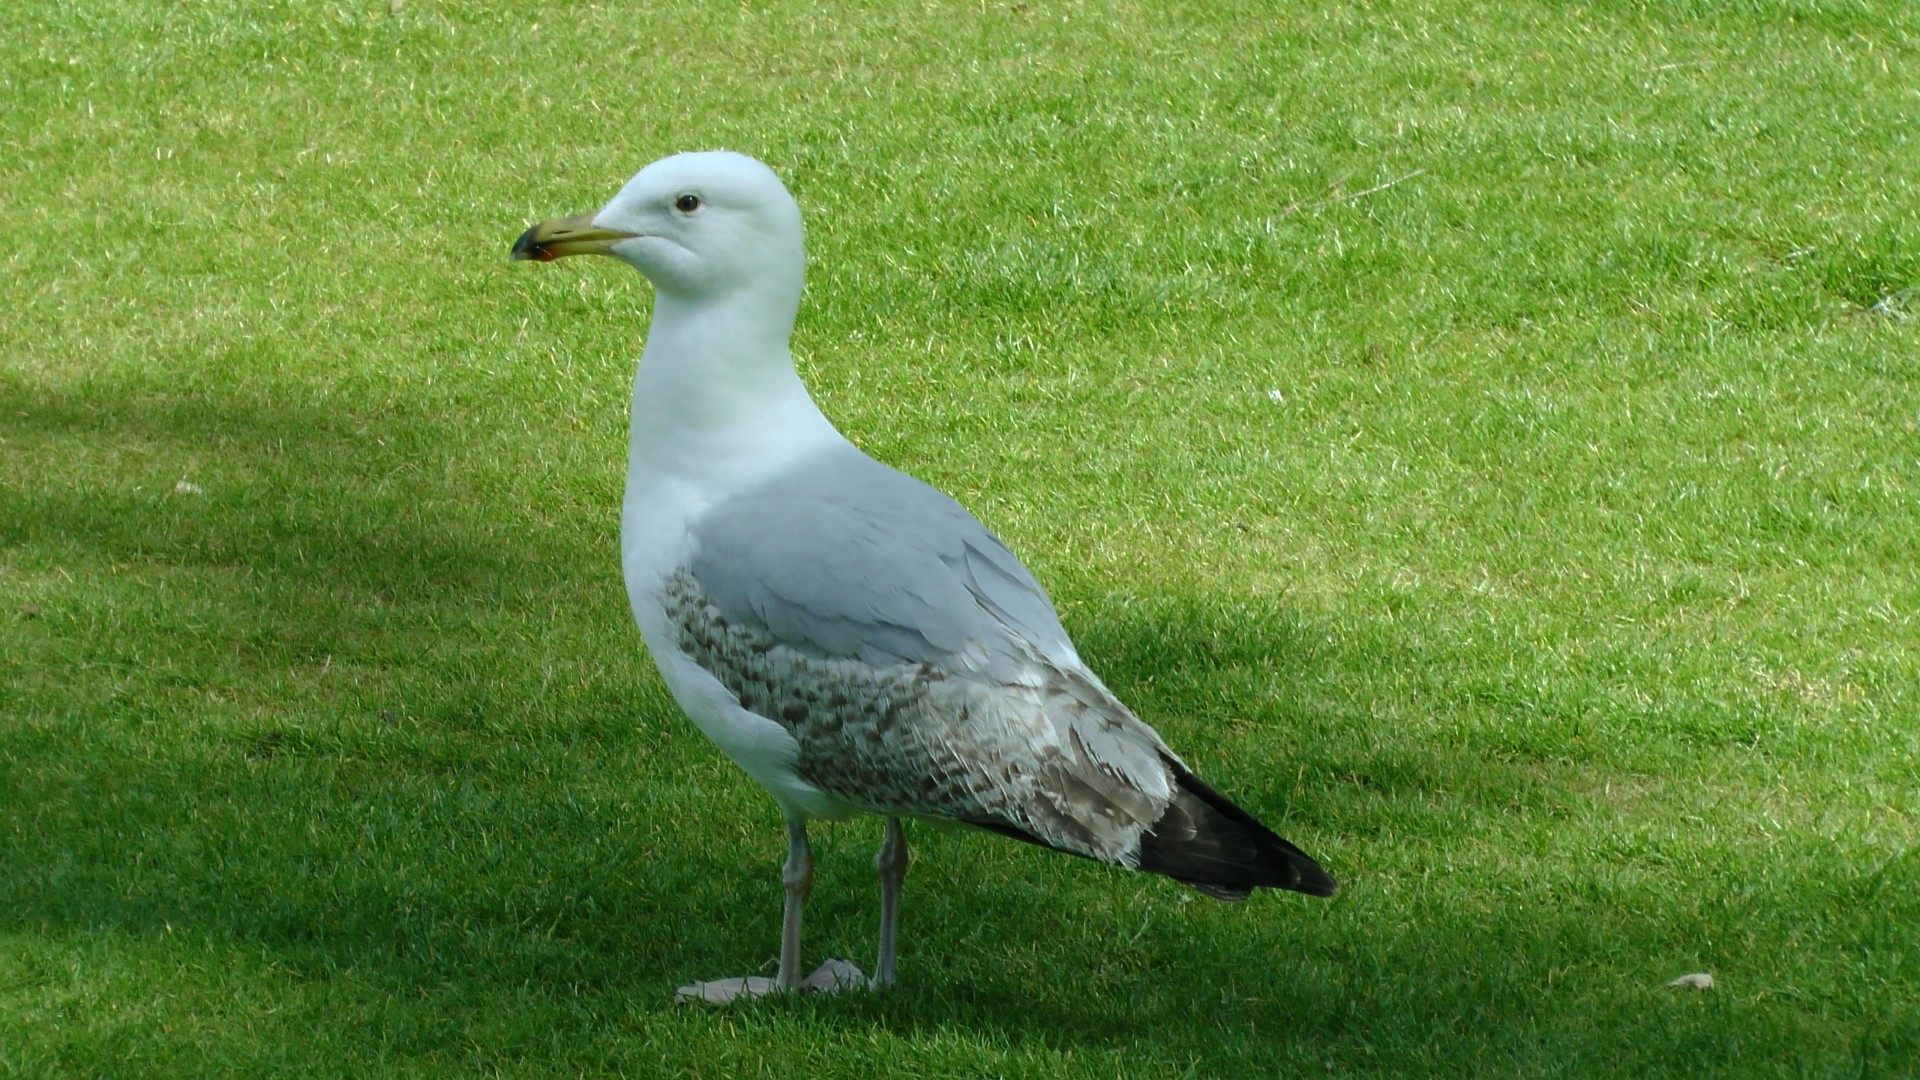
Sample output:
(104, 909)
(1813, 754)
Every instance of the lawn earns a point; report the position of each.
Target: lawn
(1483, 438)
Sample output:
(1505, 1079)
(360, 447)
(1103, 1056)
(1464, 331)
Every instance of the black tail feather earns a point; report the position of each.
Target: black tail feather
(1205, 841)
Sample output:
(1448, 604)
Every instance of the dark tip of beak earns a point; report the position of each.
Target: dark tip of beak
(529, 248)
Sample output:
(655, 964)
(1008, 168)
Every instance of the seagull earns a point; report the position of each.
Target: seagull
(853, 639)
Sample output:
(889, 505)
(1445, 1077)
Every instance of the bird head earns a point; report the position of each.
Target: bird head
(699, 226)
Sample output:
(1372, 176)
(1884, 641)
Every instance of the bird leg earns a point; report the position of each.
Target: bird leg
(796, 876)
(891, 862)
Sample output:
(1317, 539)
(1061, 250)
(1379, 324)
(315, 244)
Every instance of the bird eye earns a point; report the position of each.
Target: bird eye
(687, 204)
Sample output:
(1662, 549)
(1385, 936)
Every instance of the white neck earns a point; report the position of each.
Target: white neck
(715, 394)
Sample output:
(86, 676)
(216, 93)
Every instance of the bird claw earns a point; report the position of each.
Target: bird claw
(833, 977)
(830, 977)
(722, 991)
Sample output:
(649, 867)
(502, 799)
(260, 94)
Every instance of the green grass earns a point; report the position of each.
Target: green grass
(1532, 538)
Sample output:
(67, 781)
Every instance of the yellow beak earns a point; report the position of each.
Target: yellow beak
(561, 237)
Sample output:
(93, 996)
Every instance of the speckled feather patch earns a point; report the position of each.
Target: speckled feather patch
(912, 739)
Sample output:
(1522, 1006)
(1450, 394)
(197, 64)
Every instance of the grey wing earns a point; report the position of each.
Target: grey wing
(917, 663)
(845, 557)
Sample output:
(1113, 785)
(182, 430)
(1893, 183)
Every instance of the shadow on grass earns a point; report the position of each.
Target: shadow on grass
(475, 842)
(325, 498)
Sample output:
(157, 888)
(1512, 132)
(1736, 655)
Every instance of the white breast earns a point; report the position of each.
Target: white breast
(670, 483)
